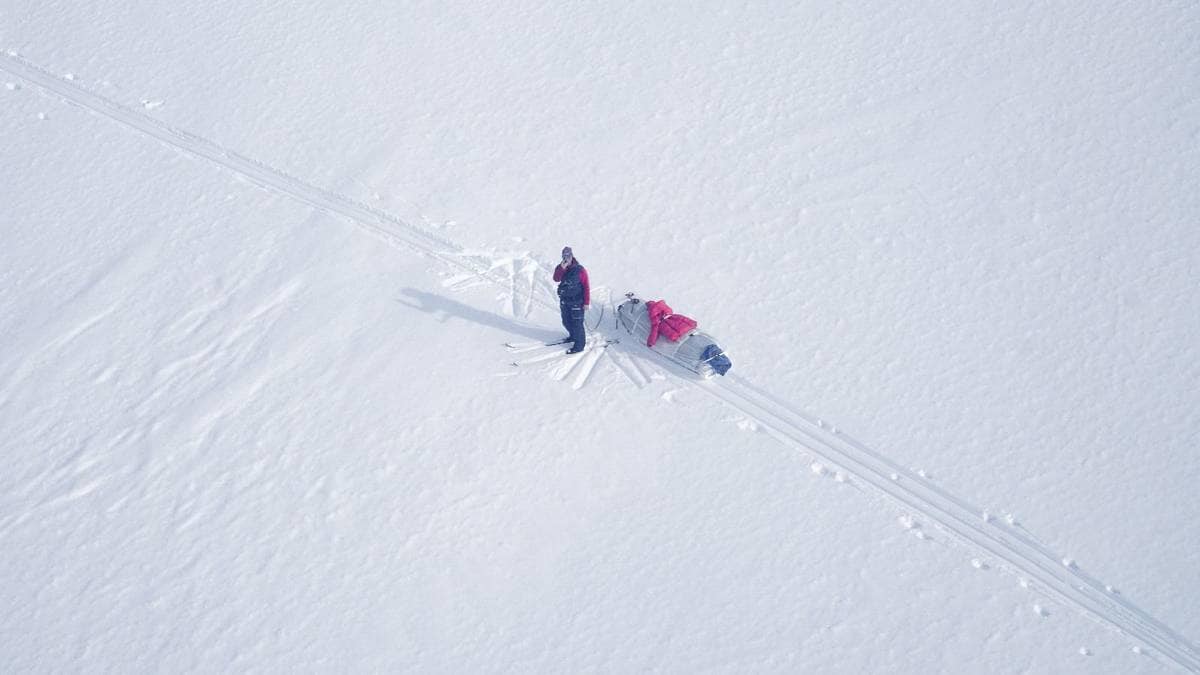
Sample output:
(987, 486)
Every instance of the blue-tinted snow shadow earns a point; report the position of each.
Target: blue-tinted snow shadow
(443, 308)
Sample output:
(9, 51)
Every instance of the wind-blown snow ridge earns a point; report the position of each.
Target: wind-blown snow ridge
(956, 516)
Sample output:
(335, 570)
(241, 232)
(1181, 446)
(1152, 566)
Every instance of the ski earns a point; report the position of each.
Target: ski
(549, 356)
(523, 346)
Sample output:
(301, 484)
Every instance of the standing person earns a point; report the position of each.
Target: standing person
(574, 296)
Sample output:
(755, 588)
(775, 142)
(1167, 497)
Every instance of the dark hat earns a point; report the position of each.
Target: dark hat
(567, 252)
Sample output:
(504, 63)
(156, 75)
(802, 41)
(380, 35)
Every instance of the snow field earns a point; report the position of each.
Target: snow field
(240, 438)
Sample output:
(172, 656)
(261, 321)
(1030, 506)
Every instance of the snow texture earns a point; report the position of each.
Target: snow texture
(261, 261)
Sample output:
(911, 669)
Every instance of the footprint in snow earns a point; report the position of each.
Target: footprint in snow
(822, 424)
(912, 525)
(978, 564)
(828, 472)
(42, 116)
(1040, 611)
(150, 104)
(69, 77)
(747, 424)
(11, 86)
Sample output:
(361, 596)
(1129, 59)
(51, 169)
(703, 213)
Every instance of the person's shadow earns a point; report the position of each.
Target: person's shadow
(442, 308)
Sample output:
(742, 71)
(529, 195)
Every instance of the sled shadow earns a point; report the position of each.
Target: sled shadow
(442, 308)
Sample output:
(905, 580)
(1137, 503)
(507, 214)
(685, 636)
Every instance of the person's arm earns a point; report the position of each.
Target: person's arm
(558, 272)
(587, 291)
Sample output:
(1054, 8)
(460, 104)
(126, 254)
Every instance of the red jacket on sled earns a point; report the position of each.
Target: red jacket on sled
(663, 321)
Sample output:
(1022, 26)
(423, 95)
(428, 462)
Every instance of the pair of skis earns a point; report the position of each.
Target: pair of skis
(524, 347)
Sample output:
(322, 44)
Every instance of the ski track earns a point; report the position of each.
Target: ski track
(589, 364)
(381, 224)
(1007, 542)
(629, 368)
(1013, 547)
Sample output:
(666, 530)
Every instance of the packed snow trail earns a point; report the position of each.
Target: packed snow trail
(1016, 549)
(384, 225)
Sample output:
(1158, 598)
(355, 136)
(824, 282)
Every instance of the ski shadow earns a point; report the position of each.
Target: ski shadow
(443, 308)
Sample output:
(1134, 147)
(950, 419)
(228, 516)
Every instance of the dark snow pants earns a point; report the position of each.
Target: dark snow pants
(572, 320)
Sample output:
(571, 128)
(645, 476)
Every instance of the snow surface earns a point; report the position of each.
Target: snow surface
(259, 260)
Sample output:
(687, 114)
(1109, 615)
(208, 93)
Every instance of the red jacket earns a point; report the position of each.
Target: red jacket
(587, 292)
(663, 320)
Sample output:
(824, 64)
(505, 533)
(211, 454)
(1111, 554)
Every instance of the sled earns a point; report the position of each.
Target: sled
(697, 351)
